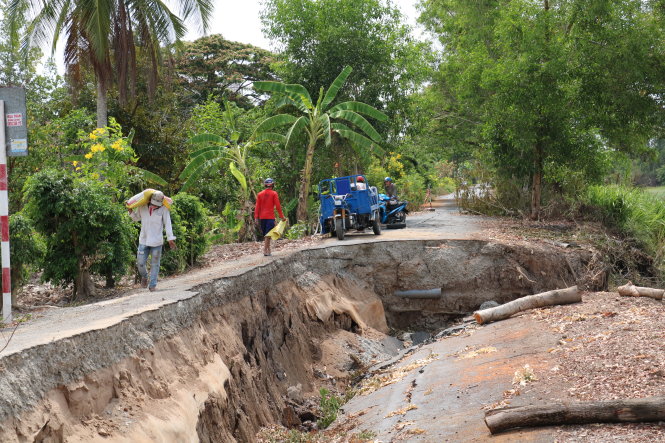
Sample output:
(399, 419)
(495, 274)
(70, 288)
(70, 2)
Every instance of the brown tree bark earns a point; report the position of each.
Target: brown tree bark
(630, 290)
(83, 286)
(536, 184)
(556, 297)
(614, 411)
(122, 53)
(102, 104)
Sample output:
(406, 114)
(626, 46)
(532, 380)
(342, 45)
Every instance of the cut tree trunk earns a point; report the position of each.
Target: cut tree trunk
(613, 411)
(556, 297)
(630, 290)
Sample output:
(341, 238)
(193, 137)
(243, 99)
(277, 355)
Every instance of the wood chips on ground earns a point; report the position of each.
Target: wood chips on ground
(611, 348)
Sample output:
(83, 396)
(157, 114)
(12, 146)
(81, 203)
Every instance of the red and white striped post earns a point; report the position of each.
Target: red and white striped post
(4, 223)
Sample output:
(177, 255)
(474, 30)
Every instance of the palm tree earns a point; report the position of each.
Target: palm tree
(319, 121)
(104, 33)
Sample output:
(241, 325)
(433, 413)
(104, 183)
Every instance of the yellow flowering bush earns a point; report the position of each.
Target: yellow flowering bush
(394, 166)
(108, 155)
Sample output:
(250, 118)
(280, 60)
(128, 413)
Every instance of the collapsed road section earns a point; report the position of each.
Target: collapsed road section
(233, 354)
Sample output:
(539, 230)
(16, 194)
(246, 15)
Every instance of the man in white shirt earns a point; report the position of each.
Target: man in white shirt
(154, 218)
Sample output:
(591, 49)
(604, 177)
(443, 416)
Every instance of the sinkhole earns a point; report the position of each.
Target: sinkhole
(252, 349)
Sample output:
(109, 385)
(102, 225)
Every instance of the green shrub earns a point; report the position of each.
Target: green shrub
(85, 230)
(299, 230)
(633, 212)
(411, 187)
(27, 249)
(443, 186)
(190, 222)
(329, 406)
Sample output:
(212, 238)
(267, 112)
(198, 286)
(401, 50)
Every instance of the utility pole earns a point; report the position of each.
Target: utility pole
(13, 143)
(4, 223)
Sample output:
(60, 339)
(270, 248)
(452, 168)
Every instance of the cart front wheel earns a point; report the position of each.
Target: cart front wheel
(339, 228)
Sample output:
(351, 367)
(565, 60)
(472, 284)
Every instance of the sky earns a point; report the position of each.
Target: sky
(239, 20)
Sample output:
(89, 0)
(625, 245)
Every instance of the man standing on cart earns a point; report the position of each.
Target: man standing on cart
(264, 213)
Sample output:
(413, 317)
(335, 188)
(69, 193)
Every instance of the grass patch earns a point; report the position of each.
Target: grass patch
(329, 406)
(634, 213)
(656, 191)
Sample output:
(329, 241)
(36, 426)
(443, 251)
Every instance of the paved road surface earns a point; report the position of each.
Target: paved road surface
(57, 323)
(449, 393)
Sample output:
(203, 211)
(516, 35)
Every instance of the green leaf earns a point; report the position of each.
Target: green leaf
(151, 177)
(325, 124)
(238, 175)
(296, 129)
(203, 160)
(220, 149)
(361, 108)
(335, 87)
(274, 122)
(208, 138)
(270, 137)
(295, 92)
(288, 101)
(359, 121)
(192, 175)
(358, 140)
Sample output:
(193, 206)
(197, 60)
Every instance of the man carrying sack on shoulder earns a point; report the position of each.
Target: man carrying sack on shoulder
(154, 218)
(264, 213)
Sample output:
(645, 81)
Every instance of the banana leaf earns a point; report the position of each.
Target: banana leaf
(360, 108)
(359, 121)
(238, 175)
(335, 87)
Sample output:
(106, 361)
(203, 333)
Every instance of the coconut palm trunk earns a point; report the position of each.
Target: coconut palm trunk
(102, 103)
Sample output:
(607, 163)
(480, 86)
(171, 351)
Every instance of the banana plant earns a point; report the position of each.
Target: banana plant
(319, 121)
(215, 151)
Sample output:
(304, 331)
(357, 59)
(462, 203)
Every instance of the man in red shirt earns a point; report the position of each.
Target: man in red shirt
(264, 213)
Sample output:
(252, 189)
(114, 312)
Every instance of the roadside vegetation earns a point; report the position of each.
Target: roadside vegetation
(537, 109)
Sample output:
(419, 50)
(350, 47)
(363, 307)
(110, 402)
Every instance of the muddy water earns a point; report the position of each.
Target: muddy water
(248, 351)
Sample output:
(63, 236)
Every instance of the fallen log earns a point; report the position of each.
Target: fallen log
(556, 297)
(613, 411)
(630, 290)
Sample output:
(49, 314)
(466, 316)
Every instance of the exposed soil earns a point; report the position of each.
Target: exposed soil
(607, 347)
(254, 350)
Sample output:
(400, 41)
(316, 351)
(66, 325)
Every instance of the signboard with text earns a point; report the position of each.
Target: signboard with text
(15, 121)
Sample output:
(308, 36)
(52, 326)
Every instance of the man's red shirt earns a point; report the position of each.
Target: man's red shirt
(266, 202)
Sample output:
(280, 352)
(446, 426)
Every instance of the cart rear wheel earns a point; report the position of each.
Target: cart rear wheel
(339, 228)
(376, 225)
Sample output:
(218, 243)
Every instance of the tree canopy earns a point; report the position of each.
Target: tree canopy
(317, 39)
(551, 86)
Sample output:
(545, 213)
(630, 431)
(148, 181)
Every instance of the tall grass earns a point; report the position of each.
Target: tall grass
(634, 213)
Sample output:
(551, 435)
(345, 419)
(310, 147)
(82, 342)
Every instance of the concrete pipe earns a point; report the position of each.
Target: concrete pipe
(420, 293)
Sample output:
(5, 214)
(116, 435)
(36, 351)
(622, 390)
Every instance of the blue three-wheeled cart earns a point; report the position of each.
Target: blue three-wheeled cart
(347, 203)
